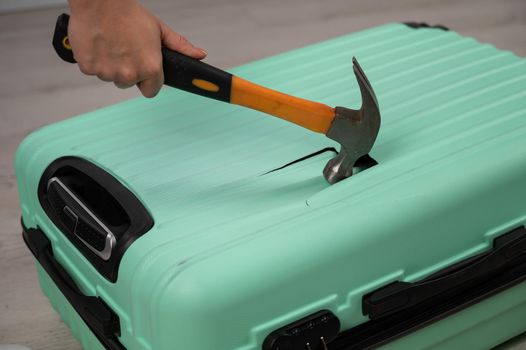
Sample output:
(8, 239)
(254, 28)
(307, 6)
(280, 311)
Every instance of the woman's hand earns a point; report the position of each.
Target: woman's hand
(120, 41)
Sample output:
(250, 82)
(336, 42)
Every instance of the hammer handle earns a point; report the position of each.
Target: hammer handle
(191, 75)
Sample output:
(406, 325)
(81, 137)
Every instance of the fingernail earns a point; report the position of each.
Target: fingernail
(203, 52)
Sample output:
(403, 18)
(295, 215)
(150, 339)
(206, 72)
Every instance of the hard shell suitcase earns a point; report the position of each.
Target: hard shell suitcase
(185, 223)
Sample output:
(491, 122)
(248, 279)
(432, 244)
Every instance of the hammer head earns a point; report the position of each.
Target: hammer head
(354, 130)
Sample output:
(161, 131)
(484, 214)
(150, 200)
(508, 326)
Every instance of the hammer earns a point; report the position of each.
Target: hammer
(354, 130)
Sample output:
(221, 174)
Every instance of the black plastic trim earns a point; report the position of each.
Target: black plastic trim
(134, 220)
(98, 316)
(401, 295)
(508, 257)
(418, 25)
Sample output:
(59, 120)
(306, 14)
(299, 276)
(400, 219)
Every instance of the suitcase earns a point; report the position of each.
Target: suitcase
(183, 223)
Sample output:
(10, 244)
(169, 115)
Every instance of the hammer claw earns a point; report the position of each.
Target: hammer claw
(358, 71)
(366, 90)
(355, 130)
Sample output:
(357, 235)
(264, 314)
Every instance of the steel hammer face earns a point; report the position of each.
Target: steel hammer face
(354, 130)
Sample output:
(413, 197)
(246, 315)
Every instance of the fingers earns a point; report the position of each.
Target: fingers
(149, 77)
(121, 85)
(179, 43)
(102, 72)
(126, 77)
(149, 88)
(123, 76)
(151, 82)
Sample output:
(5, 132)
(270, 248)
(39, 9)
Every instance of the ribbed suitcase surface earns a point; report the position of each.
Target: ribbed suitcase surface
(238, 250)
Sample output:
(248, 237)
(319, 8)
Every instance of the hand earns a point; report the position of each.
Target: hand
(120, 41)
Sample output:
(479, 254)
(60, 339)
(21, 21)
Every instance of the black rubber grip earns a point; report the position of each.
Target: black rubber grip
(61, 40)
(188, 74)
(180, 71)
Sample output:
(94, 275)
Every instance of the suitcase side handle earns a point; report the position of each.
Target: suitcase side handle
(97, 315)
(82, 221)
(507, 251)
(94, 210)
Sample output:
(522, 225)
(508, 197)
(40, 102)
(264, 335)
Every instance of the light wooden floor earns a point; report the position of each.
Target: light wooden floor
(37, 88)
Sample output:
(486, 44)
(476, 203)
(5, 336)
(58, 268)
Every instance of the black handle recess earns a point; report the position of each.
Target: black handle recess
(102, 321)
(507, 251)
(180, 71)
(94, 210)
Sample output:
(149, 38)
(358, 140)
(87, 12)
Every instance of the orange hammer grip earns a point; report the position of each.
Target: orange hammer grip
(308, 114)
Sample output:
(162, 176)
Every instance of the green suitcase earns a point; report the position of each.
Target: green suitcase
(184, 223)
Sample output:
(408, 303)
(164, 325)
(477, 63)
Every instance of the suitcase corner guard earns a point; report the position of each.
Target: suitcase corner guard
(100, 319)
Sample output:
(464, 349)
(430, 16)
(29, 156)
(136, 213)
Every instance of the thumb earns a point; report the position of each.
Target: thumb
(179, 43)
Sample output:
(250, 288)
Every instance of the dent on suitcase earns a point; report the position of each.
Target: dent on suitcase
(98, 214)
